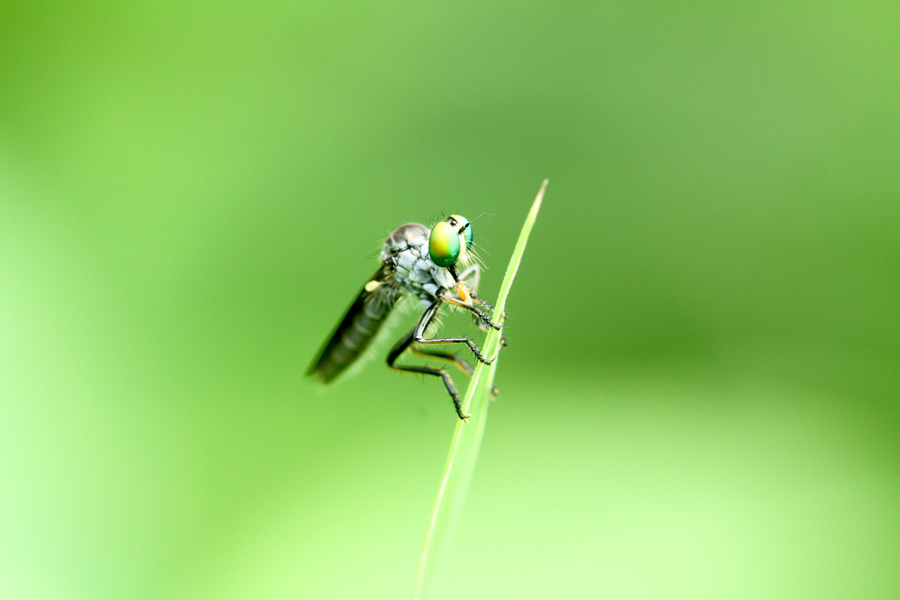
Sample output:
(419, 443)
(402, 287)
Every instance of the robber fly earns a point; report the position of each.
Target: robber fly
(424, 264)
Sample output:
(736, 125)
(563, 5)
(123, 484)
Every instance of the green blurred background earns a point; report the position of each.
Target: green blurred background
(701, 396)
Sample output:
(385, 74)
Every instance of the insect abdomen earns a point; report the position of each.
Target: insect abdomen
(354, 334)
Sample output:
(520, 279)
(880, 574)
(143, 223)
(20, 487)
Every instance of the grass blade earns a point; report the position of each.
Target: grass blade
(466, 440)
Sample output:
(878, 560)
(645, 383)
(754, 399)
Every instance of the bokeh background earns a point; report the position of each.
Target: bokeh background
(701, 396)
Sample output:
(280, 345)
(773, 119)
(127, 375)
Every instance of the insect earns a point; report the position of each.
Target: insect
(426, 265)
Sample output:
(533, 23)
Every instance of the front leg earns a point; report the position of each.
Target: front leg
(471, 277)
(474, 310)
(472, 272)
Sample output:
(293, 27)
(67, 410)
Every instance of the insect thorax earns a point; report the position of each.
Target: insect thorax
(406, 254)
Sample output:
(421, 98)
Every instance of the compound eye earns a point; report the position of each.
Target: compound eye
(464, 227)
(443, 244)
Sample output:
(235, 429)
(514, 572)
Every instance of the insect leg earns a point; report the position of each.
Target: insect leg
(503, 341)
(419, 331)
(483, 317)
(473, 271)
(449, 356)
(455, 359)
(402, 345)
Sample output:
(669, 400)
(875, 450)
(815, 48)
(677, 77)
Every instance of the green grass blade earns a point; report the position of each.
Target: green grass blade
(467, 437)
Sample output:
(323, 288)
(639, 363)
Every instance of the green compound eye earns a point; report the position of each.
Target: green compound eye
(443, 244)
(464, 222)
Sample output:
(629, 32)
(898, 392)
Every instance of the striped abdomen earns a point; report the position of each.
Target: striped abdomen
(356, 330)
